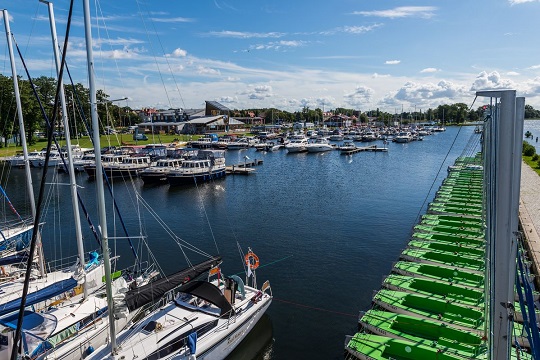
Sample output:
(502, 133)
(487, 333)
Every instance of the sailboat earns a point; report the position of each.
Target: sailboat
(206, 318)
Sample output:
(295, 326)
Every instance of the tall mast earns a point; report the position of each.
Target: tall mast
(29, 186)
(99, 172)
(72, 182)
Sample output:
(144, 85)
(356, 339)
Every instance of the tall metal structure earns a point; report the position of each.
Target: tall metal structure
(502, 166)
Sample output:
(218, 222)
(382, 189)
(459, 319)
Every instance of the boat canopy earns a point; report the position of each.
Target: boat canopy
(156, 289)
(208, 292)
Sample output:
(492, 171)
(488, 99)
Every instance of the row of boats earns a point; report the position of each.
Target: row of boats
(90, 310)
(433, 304)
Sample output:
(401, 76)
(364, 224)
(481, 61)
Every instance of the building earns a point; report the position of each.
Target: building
(214, 117)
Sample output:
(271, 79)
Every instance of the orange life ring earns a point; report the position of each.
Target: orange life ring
(252, 265)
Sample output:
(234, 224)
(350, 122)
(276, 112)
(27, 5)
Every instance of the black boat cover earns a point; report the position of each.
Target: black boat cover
(209, 292)
(153, 291)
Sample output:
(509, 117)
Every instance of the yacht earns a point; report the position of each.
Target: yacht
(207, 319)
(320, 144)
(403, 137)
(106, 159)
(87, 159)
(242, 143)
(129, 167)
(207, 165)
(297, 144)
(158, 172)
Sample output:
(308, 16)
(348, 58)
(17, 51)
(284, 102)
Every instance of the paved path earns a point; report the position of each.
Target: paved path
(530, 194)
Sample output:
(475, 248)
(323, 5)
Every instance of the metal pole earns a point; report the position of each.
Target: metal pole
(29, 185)
(70, 169)
(99, 172)
(500, 220)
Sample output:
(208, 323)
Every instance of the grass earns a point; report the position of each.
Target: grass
(106, 140)
(533, 164)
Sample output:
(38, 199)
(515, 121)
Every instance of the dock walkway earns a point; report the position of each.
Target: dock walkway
(529, 216)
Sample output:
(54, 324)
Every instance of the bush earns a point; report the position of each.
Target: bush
(535, 157)
(528, 149)
(538, 164)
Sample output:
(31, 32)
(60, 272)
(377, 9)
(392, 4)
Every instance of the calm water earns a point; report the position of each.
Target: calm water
(326, 227)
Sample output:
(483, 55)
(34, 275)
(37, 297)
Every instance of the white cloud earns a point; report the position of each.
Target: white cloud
(119, 54)
(392, 62)
(172, 20)
(402, 11)
(534, 67)
(485, 81)
(429, 70)
(259, 92)
(512, 73)
(362, 95)
(360, 29)
(178, 53)
(228, 99)
(244, 34)
(278, 45)
(232, 78)
(202, 70)
(418, 93)
(517, 2)
(376, 75)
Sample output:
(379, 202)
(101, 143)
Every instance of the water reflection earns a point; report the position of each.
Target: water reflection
(258, 344)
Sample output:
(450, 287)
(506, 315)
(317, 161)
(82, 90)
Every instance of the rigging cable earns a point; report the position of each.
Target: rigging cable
(33, 244)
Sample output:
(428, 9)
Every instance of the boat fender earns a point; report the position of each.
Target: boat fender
(89, 350)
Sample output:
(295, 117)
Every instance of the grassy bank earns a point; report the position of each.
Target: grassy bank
(106, 140)
(533, 164)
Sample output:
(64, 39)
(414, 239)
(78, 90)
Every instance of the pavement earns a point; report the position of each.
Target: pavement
(529, 217)
(530, 194)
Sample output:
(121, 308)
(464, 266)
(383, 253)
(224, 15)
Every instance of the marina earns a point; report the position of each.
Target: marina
(286, 219)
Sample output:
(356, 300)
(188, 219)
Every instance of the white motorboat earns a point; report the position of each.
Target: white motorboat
(297, 144)
(241, 143)
(348, 147)
(158, 172)
(207, 165)
(403, 137)
(320, 144)
(87, 159)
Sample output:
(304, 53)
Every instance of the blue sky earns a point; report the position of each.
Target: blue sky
(289, 54)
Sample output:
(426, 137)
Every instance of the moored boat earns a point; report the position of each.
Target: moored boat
(158, 172)
(207, 165)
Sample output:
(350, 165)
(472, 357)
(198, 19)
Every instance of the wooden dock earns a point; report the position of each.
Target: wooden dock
(237, 170)
(243, 168)
(364, 148)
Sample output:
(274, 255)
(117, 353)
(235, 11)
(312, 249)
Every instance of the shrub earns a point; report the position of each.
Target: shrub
(535, 157)
(528, 149)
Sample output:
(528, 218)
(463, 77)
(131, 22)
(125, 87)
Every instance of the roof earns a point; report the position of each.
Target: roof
(232, 121)
(217, 105)
(205, 119)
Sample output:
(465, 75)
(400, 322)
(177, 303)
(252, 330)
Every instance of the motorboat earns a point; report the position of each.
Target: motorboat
(297, 143)
(348, 147)
(320, 144)
(87, 159)
(241, 143)
(207, 165)
(403, 137)
(129, 167)
(106, 159)
(158, 172)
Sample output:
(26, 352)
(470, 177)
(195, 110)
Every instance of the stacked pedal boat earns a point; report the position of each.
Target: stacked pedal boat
(433, 304)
